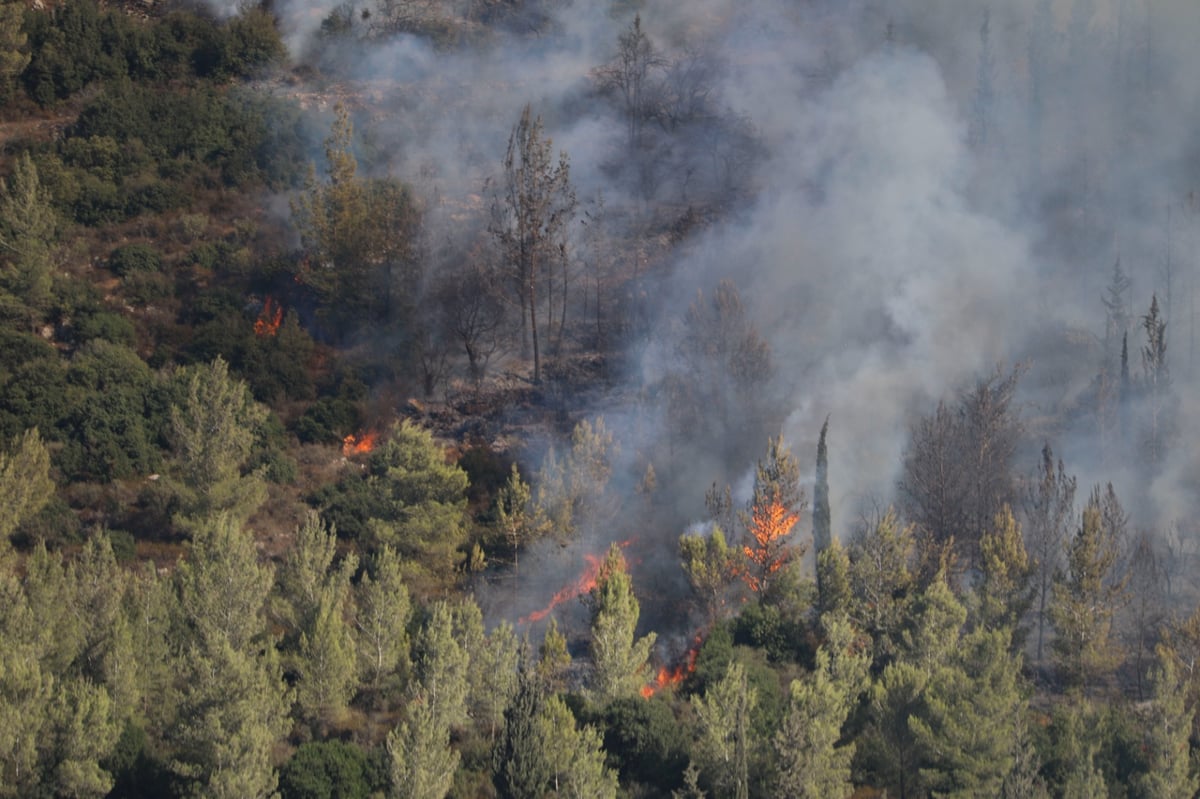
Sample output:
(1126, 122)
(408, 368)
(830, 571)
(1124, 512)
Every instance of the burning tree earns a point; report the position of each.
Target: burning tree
(773, 511)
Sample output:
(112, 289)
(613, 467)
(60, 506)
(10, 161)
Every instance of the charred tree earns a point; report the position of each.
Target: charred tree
(529, 219)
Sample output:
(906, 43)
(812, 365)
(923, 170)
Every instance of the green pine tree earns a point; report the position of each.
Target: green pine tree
(621, 662)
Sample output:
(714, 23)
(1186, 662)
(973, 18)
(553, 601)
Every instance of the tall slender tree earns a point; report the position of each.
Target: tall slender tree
(530, 215)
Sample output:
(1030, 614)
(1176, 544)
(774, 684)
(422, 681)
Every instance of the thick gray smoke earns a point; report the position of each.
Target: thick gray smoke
(926, 190)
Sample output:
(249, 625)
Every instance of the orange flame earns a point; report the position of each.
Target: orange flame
(769, 526)
(358, 445)
(581, 585)
(269, 319)
(668, 678)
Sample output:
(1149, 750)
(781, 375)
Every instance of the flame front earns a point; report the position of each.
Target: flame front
(358, 445)
(671, 677)
(582, 584)
(269, 319)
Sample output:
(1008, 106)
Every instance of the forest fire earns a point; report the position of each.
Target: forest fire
(358, 445)
(269, 319)
(667, 678)
(769, 526)
(581, 585)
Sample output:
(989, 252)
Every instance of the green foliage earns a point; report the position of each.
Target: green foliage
(575, 489)
(575, 755)
(382, 612)
(25, 484)
(1172, 772)
(711, 567)
(1083, 601)
(1004, 593)
(232, 710)
(441, 664)
(782, 636)
(133, 258)
(646, 741)
(13, 55)
(423, 763)
(520, 768)
(621, 663)
(28, 227)
(213, 430)
(811, 763)
(325, 770)
(409, 498)
(107, 326)
(328, 421)
(881, 583)
(222, 588)
(358, 234)
(114, 416)
(724, 718)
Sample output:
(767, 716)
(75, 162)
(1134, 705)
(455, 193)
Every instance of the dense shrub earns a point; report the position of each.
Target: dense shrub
(134, 258)
(105, 325)
(326, 770)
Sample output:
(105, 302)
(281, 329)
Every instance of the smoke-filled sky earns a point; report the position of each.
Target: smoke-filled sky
(925, 199)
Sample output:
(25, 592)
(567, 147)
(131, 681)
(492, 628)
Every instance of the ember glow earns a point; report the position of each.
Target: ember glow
(358, 445)
(581, 585)
(671, 677)
(269, 319)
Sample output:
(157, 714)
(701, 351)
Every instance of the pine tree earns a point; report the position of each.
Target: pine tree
(326, 659)
(422, 500)
(212, 434)
(423, 763)
(493, 677)
(232, 711)
(520, 768)
(305, 571)
(727, 735)
(13, 54)
(81, 732)
(27, 687)
(574, 756)
(382, 611)
(882, 583)
(1004, 593)
(553, 658)
(811, 764)
(1084, 599)
(25, 483)
(1157, 381)
(1172, 770)
(967, 728)
(28, 227)
(774, 508)
(222, 587)
(1050, 508)
(441, 665)
(621, 662)
(833, 579)
(711, 568)
(514, 515)
(529, 220)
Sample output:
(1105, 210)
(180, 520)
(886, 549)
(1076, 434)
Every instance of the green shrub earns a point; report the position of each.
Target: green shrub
(328, 420)
(105, 325)
(134, 258)
(326, 770)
